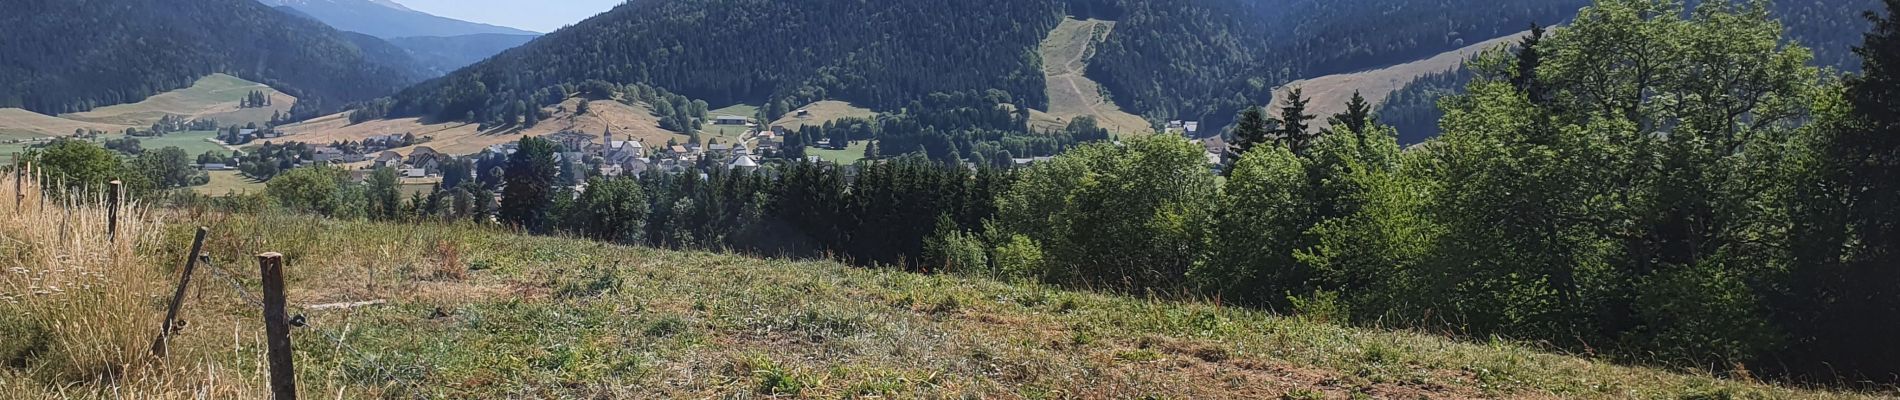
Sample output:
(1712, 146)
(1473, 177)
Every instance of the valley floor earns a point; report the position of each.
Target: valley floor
(474, 312)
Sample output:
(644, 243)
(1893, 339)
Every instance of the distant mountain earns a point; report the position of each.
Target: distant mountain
(67, 56)
(386, 19)
(445, 54)
(1190, 59)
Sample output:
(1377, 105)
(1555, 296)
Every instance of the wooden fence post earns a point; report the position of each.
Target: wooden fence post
(283, 378)
(178, 296)
(112, 211)
(19, 188)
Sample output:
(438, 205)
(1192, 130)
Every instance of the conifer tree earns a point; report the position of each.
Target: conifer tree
(1294, 127)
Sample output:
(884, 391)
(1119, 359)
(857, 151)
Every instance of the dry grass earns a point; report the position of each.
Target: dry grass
(460, 138)
(19, 124)
(474, 312)
(78, 309)
(1065, 55)
(1328, 94)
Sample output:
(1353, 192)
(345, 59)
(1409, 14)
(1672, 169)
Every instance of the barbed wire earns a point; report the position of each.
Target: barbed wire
(301, 321)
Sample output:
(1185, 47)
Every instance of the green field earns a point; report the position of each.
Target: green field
(743, 110)
(227, 182)
(850, 155)
(212, 97)
(192, 142)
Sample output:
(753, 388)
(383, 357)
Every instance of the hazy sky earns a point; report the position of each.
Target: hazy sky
(535, 15)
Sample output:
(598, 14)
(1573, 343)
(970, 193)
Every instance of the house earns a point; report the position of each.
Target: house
(388, 159)
(741, 150)
(743, 164)
(216, 167)
(328, 154)
(730, 120)
(423, 154)
(677, 150)
(720, 148)
(414, 173)
(1191, 127)
(571, 140)
(636, 167)
(611, 170)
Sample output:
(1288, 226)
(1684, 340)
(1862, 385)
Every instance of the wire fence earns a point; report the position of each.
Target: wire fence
(300, 320)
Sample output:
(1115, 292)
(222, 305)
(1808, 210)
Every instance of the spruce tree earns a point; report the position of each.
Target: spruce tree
(1294, 127)
(529, 188)
(1847, 225)
(1252, 129)
(1528, 59)
(1358, 115)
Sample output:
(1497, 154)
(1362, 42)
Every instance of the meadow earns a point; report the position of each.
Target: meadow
(478, 312)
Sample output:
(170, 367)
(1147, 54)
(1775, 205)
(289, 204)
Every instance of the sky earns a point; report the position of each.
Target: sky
(534, 15)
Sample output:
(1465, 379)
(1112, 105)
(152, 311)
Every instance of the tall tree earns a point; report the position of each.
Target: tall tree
(1358, 114)
(1528, 59)
(1295, 132)
(1847, 224)
(1253, 129)
(528, 190)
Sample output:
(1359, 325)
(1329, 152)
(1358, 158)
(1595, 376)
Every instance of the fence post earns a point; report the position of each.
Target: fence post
(19, 187)
(283, 379)
(178, 297)
(112, 211)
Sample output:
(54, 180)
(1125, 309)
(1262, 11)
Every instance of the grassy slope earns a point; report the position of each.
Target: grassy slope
(192, 142)
(1065, 54)
(461, 138)
(228, 182)
(480, 313)
(850, 155)
(213, 97)
(20, 124)
(822, 112)
(1328, 94)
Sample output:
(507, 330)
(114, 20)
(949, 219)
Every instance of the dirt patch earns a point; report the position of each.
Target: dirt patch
(1065, 55)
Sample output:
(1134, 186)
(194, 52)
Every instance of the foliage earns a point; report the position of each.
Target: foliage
(529, 189)
(1122, 215)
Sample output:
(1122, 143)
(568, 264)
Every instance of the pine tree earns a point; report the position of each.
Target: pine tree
(1847, 231)
(1253, 129)
(1358, 115)
(1528, 59)
(1294, 128)
(870, 151)
(530, 185)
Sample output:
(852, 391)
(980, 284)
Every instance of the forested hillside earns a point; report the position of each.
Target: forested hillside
(1197, 60)
(878, 54)
(68, 56)
(1202, 60)
(445, 54)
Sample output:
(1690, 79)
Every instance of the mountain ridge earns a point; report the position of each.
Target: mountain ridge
(388, 20)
